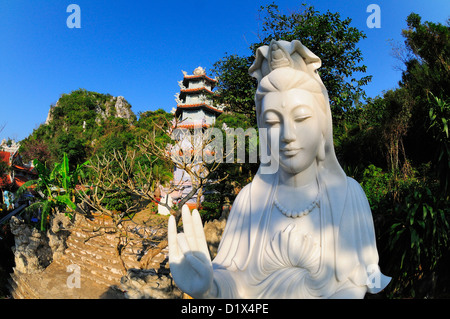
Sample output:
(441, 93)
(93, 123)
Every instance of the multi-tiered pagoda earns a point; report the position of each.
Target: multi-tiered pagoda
(194, 105)
(194, 110)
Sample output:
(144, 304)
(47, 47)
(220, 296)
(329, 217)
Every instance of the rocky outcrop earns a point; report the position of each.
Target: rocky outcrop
(213, 233)
(149, 284)
(34, 250)
(58, 233)
(116, 106)
(32, 254)
(122, 108)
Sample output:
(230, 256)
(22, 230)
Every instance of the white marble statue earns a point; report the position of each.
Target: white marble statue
(303, 231)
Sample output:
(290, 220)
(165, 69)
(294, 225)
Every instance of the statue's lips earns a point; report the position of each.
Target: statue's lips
(290, 151)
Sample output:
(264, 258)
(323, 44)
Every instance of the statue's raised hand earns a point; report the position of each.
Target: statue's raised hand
(189, 259)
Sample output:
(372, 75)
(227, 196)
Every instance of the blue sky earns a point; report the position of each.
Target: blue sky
(137, 49)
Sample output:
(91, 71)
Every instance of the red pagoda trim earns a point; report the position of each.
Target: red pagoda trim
(199, 76)
(20, 180)
(196, 90)
(188, 106)
(191, 126)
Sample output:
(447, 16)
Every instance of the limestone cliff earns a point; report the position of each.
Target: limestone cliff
(104, 106)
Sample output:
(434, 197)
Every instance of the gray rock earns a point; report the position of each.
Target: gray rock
(149, 284)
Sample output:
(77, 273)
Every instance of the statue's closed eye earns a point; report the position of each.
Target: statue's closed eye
(271, 119)
(301, 118)
(272, 122)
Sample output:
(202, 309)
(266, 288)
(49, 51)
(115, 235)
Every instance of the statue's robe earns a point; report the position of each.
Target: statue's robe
(253, 261)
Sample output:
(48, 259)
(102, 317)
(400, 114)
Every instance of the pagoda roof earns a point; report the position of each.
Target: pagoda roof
(196, 90)
(15, 164)
(193, 125)
(187, 78)
(198, 76)
(5, 157)
(183, 92)
(5, 181)
(199, 105)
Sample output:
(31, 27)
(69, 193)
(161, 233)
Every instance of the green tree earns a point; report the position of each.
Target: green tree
(440, 118)
(236, 88)
(427, 72)
(72, 147)
(234, 174)
(412, 208)
(329, 36)
(333, 40)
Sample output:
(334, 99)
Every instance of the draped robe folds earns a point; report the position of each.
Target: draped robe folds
(347, 256)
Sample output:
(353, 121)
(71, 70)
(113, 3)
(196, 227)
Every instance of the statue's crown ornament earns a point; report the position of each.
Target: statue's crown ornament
(279, 57)
(282, 53)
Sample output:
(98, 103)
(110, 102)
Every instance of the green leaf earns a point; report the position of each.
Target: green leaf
(64, 171)
(46, 210)
(65, 199)
(414, 238)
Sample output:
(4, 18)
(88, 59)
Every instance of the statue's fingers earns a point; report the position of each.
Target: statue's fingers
(200, 233)
(174, 251)
(183, 244)
(188, 228)
(199, 265)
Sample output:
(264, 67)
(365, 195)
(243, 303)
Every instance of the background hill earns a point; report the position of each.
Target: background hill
(85, 123)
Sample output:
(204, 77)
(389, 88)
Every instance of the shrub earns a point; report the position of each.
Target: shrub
(376, 186)
(414, 237)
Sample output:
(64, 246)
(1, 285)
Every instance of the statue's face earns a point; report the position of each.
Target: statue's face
(292, 119)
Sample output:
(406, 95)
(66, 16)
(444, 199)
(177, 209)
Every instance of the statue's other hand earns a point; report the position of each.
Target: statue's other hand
(189, 259)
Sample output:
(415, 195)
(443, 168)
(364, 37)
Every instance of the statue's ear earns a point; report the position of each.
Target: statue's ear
(321, 151)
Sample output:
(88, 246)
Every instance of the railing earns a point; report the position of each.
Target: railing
(14, 212)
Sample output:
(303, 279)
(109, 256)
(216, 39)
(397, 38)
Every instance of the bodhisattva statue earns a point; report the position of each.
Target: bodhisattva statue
(304, 230)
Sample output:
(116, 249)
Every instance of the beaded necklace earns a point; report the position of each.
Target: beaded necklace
(296, 214)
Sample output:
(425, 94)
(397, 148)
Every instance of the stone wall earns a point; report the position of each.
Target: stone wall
(76, 243)
(88, 245)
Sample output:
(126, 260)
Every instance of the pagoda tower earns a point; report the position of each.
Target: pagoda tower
(194, 107)
(194, 110)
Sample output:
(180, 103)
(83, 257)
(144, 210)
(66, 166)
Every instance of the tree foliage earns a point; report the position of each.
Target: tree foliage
(408, 191)
(333, 40)
(235, 174)
(235, 87)
(79, 124)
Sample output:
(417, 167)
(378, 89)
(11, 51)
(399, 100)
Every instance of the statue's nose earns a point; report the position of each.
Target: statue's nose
(288, 134)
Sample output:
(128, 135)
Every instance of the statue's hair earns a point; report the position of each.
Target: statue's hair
(285, 79)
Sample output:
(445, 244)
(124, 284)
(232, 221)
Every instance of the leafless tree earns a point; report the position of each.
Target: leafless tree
(138, 174)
